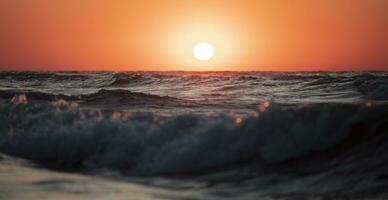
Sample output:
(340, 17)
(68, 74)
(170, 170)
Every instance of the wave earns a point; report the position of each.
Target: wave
(141, 144)
(35, 95)
(168, 79)
(101, 97)
(372, 87)
(54, 80)
(240, 89)
(57, 76)
(125, 97)
(295, 76)
(126, 79)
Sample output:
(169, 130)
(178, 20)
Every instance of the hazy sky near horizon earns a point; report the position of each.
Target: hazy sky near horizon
(160, 34)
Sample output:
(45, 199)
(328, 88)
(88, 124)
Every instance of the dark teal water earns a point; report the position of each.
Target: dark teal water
(213, 135)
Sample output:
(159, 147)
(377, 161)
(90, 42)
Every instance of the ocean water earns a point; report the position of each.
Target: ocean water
(194, 135)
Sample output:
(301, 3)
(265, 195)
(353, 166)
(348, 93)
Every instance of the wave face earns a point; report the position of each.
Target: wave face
(321, 133)
(319, 149)
(146, 144)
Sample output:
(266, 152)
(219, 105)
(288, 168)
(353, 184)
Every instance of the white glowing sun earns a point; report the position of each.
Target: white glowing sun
(203, 51)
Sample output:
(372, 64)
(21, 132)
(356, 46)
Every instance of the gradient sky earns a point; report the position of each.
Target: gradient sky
(160, 34)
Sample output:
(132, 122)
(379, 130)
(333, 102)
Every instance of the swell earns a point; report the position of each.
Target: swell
(35, 95)
(127, 79)
(237, 86)
(169, 79)
(101, 97)
(57, 76)
(373, 87)
(149, 145)
(295, 76)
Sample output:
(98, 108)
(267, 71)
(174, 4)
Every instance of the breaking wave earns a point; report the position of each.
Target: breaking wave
(147, 144)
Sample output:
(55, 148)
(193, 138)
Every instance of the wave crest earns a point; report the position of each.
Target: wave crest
(125, 79)
(147, 144)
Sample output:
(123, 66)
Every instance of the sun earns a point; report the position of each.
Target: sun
(203, 51)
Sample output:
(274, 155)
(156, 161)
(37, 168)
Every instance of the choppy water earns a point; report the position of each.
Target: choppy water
(208, 135)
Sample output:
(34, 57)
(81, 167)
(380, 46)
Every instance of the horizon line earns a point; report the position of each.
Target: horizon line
(104, 70)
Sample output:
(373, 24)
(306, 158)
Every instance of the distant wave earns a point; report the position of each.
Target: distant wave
(26, 76)
(35, 95)
(125, 79)
(101, 97)
(125, 97)
(122, 79)
(237, 89)
(295, 76)
(147, 144)
(372, 87)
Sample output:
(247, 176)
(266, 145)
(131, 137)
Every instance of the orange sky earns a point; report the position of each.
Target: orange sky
(160, 34)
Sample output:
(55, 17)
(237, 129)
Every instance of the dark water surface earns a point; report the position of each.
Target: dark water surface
(199, 135)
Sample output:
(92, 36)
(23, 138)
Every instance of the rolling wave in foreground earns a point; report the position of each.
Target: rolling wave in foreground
(193, 135)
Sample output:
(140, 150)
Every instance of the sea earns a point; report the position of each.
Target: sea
(193, 135)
